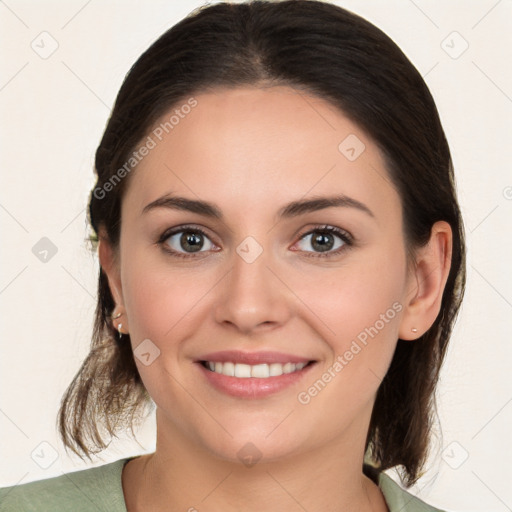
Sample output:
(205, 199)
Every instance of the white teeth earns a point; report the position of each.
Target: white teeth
(228, 369)
(260, 371)
(275, 369)
(288, 368)
(241, 370)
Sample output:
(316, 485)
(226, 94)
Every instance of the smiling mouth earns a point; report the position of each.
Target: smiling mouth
(259, 371)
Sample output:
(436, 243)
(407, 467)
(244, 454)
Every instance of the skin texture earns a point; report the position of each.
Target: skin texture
(251, 151)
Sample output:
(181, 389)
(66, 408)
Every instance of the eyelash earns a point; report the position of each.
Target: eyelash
(347, 239)
(343, 235)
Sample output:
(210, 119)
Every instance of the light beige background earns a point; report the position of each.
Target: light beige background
(53, 112)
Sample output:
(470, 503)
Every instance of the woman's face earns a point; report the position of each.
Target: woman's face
(265, 282)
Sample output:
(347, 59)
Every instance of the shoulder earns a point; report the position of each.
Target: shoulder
(92, 489)
(399, 499)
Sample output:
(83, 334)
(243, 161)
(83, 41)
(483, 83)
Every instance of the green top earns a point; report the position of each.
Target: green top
(100, 489)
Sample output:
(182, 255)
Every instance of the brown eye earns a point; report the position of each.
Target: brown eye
(325, 241)
(185, 241)
(191, 241)
(322, 241)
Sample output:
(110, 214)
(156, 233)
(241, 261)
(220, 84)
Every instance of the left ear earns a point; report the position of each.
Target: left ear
(426, 282)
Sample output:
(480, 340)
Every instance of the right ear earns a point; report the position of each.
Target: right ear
(109, 262)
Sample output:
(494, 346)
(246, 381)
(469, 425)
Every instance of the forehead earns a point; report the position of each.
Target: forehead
(252, 147)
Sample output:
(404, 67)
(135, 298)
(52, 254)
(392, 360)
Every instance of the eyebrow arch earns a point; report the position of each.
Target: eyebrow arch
(293, 209)
(296, 208)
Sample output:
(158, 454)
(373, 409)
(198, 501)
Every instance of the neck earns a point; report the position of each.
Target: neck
(181, 475)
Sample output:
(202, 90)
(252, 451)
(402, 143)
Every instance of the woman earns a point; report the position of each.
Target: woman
(282, 262)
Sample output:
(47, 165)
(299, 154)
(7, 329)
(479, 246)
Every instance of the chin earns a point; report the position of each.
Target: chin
(264, 437)
(256, 450)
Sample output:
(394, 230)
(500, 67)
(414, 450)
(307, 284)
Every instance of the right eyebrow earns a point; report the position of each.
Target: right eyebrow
(185, 204)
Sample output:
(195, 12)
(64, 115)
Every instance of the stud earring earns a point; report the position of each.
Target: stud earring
(115, 315)
(414, 329)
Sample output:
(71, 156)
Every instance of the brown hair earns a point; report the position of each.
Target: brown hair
(336, 55)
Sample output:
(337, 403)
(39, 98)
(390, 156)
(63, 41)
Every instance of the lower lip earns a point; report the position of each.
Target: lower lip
(252, 387)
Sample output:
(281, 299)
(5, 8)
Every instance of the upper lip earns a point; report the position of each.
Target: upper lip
(252, 358)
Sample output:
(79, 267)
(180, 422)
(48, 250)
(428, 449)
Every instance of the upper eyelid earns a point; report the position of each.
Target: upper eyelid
(329, 228)
(179, 229)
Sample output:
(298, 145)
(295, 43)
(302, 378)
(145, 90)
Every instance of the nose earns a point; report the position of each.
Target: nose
(253, 296)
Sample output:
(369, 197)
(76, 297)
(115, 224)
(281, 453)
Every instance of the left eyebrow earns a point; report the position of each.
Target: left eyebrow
(296, 208)
(293, 209)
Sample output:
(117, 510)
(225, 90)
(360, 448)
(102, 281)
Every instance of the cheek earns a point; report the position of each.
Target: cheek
(159, 299)
(354, 296)
(362, 309)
